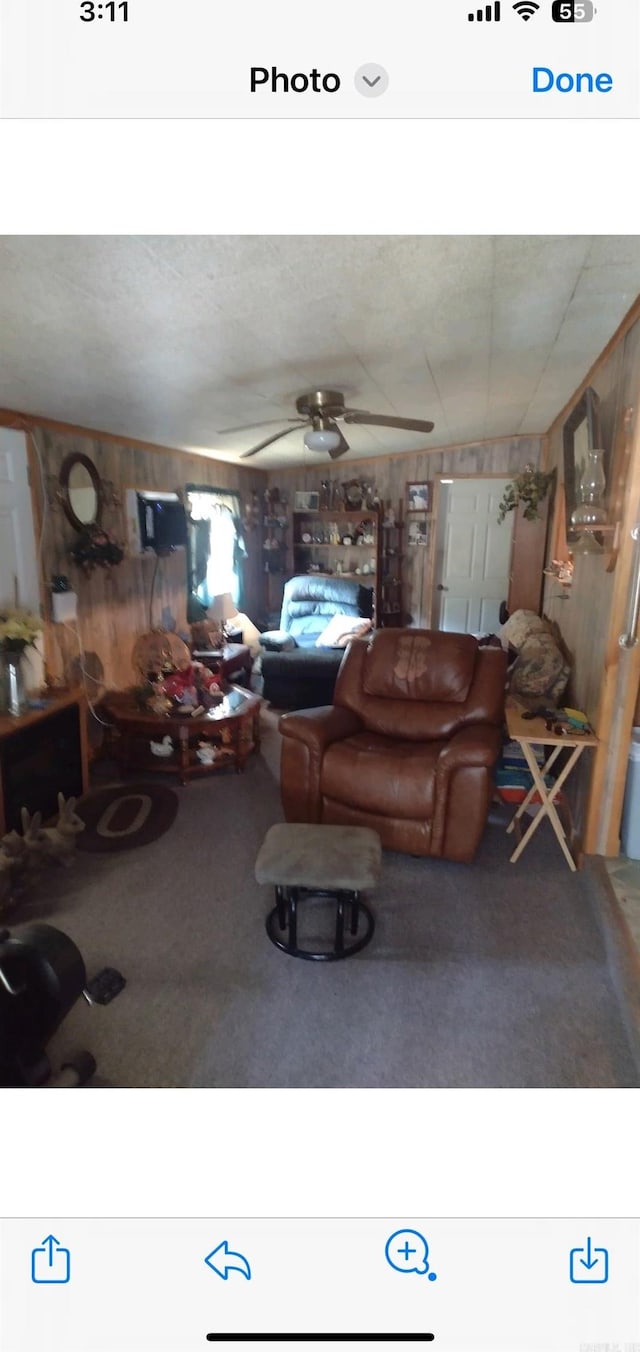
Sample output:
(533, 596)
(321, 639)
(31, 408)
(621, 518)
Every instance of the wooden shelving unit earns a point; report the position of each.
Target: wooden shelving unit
(318, 547)
(391, 572)
(274, 559)
(419, 544)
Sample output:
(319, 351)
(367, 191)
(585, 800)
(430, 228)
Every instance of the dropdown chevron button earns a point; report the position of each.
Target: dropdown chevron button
(371, 80)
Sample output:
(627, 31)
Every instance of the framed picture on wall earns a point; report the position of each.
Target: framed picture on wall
(307, 502)
(418, 531)
(419, 497)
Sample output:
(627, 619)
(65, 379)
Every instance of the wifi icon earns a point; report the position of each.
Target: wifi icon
(526, 9)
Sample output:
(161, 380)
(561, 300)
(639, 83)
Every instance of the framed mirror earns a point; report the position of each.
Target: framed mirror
(80, 491)
(580, 434)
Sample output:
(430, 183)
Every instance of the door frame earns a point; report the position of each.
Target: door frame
(37, 490)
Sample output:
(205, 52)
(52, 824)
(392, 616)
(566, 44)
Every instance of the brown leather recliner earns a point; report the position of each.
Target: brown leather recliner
(408, 745)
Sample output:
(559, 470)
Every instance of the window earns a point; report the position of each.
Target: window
(215, 544)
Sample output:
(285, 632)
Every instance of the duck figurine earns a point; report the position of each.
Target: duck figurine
(163, 748)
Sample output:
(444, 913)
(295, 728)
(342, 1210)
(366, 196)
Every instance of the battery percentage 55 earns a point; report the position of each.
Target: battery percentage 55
(572, 11)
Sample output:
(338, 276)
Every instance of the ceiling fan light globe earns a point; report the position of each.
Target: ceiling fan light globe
(321, 439)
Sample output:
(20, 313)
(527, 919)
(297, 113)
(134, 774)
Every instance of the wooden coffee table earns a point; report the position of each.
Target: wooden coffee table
(231, 729)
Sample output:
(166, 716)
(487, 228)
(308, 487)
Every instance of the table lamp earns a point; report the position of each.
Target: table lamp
(222, 609)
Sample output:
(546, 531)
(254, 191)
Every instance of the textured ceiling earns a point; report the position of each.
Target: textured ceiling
(174, 338)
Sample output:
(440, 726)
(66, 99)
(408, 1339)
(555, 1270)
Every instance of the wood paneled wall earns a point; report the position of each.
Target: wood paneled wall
(113, 604)
(589, 614)
(391, 474)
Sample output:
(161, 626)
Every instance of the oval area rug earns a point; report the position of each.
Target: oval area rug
(125, 815)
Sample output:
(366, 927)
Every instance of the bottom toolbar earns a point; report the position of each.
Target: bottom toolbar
(71, 1285)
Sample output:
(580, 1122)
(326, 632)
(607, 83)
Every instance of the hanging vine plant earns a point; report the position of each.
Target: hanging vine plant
(531, 488)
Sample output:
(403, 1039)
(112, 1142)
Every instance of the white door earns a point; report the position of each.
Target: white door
(18, 555)
(473, 555)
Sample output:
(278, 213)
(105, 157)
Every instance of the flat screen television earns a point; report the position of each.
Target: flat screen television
(163, 523)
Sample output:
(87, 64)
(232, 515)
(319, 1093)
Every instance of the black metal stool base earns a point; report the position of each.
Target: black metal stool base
(354, 923)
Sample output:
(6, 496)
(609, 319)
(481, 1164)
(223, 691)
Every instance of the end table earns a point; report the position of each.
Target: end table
(233, 662)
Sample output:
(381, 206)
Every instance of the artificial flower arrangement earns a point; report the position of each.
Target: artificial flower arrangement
(193, 687)
(19, 629)
(95, 548)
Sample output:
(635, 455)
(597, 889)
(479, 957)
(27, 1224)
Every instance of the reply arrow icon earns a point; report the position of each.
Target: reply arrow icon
(222, 1260)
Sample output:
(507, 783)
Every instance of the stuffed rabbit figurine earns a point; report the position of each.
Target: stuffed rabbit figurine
(59, 840)
(21, 858)
(34, 846)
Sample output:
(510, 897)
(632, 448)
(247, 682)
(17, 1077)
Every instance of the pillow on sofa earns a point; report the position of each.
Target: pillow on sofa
(341, 629)
(520, 627)
(540, 669)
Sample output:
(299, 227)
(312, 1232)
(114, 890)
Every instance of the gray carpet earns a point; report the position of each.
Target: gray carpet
(489, 975)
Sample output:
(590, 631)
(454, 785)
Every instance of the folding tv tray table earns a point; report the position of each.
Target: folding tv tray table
(530, 733)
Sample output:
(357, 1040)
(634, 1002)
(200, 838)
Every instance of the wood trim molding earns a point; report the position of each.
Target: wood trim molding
(631, 318)
(545, 454)
(426, 450)
(619, 688)
(39, 525)
(29, 422)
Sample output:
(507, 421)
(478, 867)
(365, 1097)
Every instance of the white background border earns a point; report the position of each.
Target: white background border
(375, 1152)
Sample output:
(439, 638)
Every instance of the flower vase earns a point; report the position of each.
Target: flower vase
(14, 695)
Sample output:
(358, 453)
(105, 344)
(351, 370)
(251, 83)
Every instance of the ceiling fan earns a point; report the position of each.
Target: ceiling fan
(320, 411)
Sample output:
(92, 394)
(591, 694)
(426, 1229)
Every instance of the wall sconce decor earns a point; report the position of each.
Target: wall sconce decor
(590, 513)
(581, 437)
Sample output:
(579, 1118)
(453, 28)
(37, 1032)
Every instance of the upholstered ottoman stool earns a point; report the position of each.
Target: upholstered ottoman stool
(307, 861)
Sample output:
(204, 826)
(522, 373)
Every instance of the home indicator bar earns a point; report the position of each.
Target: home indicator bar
(321, 1337)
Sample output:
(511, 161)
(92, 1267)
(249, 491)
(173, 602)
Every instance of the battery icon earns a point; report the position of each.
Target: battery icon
(572, 11)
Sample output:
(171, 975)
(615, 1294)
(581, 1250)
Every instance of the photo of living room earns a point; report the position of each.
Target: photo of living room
(319, 661)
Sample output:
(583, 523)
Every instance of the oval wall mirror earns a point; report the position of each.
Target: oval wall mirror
(80, 491)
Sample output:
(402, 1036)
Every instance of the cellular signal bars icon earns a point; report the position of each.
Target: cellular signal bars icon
(487, 14)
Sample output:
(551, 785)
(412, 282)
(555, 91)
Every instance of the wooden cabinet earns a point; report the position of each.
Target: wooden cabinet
(420, 552)
(340, 543)
(43, 753)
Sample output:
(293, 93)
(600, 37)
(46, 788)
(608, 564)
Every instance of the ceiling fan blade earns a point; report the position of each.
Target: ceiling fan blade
(353, 415)
(250, 427)
(343, 446)
(268, 440)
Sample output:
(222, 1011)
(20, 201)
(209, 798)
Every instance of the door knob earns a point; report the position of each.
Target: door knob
(440, 587)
